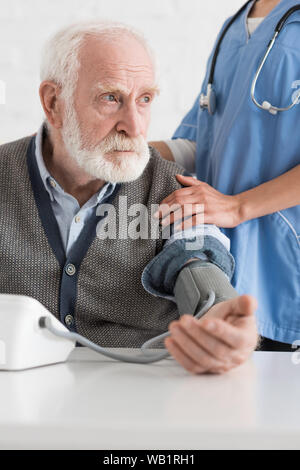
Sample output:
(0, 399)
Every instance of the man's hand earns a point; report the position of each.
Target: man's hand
(223, 339)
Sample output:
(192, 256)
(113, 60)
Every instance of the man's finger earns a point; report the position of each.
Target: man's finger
(213, 345)
(231, 335)
(185, 361)
(245, 305)
(193, 350)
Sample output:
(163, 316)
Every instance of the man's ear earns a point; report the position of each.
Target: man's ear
(49, 96)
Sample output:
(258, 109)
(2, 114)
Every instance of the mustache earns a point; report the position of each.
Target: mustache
(116, 141)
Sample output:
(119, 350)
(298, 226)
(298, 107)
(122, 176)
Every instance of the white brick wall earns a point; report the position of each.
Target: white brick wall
(181, 32)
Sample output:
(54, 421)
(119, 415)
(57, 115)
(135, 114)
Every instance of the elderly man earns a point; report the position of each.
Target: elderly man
(98, 83)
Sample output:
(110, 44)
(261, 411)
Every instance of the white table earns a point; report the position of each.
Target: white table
(92, 402)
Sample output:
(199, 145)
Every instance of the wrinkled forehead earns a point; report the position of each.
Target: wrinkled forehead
(123, 61)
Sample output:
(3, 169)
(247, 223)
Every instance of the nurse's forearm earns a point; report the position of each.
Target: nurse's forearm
(164, 150)
(276, 195)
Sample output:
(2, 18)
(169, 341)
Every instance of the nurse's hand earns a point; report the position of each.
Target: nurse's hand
(222, 340)
(219, 209)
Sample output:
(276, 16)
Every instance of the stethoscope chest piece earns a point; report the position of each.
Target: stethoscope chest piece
(208, 101)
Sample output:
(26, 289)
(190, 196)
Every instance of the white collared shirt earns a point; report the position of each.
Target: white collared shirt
(69, 215)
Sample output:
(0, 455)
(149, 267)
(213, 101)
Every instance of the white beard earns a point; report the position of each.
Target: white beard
(94, 161)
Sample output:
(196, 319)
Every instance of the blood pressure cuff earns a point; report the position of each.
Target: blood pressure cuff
(194, 283)
(160, 275)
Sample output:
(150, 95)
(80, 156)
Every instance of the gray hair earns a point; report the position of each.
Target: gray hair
(60, 62)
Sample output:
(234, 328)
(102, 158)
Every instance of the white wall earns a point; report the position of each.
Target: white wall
(181, 32)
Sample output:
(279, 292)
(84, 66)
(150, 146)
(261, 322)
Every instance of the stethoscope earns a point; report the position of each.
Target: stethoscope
(209, 100)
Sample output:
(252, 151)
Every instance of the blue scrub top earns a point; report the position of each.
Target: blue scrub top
(241, 147)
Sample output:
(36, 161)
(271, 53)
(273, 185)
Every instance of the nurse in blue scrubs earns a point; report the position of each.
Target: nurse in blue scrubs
(247, 164)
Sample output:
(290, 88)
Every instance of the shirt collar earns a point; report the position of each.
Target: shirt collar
(105, 191)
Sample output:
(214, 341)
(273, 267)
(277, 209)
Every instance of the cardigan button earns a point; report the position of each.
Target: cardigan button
(70, 269)
(69, 320)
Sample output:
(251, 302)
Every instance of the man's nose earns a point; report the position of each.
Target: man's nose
(130, 121)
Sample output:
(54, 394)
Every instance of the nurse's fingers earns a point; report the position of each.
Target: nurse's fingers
(180, 214)
(194, 221)
(176, 196)
(188, 180)
(191, 222)
(166, 209)
(194, 193)
(183, 203)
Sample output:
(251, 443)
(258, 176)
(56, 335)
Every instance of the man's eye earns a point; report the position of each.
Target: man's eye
(110, 98)
(146, 99)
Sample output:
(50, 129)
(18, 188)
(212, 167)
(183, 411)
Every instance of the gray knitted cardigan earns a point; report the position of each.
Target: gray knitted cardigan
(99, 283)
